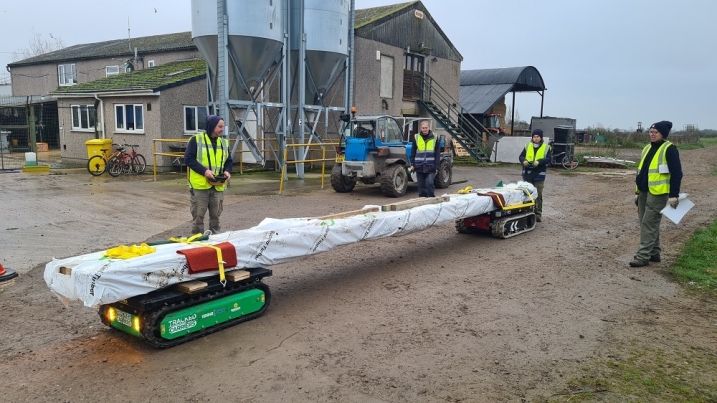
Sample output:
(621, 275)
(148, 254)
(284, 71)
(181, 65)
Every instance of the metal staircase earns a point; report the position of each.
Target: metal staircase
(464, 128)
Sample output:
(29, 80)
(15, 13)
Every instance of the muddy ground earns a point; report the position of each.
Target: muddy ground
(436, 316)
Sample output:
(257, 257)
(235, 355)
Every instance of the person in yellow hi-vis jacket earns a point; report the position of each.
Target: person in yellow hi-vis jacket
(657, 185)
(535, 158)
(210, 166)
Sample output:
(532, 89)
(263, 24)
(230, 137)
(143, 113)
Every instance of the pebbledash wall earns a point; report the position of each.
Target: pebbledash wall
(163, 118)
(368, 78)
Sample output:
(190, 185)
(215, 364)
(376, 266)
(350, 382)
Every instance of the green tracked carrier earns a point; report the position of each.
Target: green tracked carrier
(168, 317)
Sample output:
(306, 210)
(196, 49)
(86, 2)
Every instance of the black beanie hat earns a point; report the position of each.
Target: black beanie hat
(538, 132)
(212, 122)
(663, 127)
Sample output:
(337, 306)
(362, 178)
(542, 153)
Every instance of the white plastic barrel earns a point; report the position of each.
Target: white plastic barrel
(30, 159)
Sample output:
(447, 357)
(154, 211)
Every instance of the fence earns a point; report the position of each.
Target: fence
(27, 124)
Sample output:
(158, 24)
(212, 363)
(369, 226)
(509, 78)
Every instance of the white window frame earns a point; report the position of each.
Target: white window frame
(65, 78)
(111, 70)
(121, 118)
(150, 63)
(198, 121)
(88, 111)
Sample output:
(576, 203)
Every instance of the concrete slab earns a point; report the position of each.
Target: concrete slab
(508, 148)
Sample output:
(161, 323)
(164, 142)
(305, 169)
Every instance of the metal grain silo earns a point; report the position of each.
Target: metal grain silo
(326, 24)
(255, 37)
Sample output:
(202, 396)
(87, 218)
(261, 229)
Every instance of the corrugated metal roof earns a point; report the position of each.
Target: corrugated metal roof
(481, 89)
(480, 98)
(114, 48)
(150, 79)
(525, 78)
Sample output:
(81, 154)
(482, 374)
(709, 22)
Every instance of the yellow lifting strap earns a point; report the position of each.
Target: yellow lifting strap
(220, 259)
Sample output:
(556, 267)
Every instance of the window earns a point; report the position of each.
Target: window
(195, 118)
(111, 71)
(386, 90)
(129, 118)
(66, 74)
(388, 130)
(150, 63)
(83, 117)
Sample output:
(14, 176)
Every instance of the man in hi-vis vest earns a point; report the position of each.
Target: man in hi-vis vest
(535, 158)
(425, 160)
(210, 167)
(659, 176)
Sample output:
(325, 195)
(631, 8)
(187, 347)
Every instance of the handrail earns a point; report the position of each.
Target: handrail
(322, 160)
(448, 100)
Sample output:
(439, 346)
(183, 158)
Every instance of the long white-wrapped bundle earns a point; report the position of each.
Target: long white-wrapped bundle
(95, 280)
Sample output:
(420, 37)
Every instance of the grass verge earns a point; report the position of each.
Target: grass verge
(667, 366)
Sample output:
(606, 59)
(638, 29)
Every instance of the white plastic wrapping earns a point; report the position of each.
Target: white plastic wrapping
(96, 280)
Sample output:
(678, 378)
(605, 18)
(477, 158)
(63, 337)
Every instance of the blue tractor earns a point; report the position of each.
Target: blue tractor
(373, 149)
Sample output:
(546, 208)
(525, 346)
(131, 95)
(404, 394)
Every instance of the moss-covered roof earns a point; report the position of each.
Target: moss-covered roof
(114, 48)
(150, 79)
(366, 16)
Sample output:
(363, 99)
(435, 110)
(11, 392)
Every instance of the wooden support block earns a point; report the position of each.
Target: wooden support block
(349, 213)
(237, 275)
(421, 201)
(66, 270)
(191, 287)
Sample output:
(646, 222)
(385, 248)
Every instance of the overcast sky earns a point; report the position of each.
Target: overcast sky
(608, 62)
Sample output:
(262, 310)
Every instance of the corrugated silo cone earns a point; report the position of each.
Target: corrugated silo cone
(6, 274)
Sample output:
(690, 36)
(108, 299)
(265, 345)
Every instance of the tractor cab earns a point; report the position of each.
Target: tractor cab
(491, 122)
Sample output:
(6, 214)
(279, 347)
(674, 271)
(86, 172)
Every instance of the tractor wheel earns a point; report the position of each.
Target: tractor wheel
(444, 176)
(394, 181)
(340, 183)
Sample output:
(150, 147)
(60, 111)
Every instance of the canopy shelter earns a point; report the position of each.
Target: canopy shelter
(482, 89)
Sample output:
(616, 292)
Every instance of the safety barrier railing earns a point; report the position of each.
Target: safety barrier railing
(322, 160)
(180, 154)
(172, 154)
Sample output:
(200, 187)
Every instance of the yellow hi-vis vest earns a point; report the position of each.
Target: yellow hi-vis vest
(425, 153)
(530, 153)
(657, 183)
(210, 158)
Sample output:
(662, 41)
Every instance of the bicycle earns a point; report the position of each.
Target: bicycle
(568, 161)
(132, 162)
(97, 164)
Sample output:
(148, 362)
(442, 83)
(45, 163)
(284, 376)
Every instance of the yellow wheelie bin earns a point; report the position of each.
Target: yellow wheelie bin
(95, 147)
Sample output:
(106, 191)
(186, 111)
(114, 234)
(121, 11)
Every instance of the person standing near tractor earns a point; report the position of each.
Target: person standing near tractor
(535, 158)
(658, 181)
(425, 158)
(210, 163)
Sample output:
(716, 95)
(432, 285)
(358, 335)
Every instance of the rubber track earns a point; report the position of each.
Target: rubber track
(498, 228)
(151, 320)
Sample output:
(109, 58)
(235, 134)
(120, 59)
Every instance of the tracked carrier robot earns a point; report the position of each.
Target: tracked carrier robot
(505, 222)
(192, 309)
(168, 317)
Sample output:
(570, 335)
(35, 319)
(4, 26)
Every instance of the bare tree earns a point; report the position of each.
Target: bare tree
(37, 45)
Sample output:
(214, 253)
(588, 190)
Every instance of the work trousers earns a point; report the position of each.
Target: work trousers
(539, 200)
(426, 186)
(201, 201)
(649, 218)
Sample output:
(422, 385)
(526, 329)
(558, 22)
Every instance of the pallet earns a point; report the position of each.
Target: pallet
(460, 151)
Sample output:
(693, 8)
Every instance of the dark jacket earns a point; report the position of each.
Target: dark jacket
(673, 164)
(536, 174)
(190, 157)
(437, 154)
